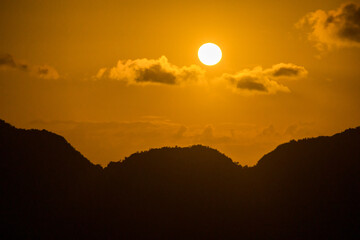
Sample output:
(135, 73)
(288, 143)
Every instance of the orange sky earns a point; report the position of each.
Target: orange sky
(116, 77)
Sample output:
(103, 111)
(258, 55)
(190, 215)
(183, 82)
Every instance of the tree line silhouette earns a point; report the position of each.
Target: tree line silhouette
(305, 189)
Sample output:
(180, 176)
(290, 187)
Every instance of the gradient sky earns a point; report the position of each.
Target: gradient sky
(116, 77)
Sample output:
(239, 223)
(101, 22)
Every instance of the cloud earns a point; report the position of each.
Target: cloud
(264, 81)
(7, 62)
(334, 28)
(300, 130)
(180, 133)
(287, 70)
(268, 131)
(46, 72)
(151, 71)
(251, 83)
(207, 136)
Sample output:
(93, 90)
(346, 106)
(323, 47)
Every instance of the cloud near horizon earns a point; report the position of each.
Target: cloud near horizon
(102, 142)
(151, 71)
(334, 28)
(7, 62)
(264, 81)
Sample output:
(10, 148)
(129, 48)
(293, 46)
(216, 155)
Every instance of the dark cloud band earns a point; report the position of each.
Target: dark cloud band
(47, 72)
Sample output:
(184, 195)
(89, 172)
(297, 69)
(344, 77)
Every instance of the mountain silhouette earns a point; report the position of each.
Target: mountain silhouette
(305, 189)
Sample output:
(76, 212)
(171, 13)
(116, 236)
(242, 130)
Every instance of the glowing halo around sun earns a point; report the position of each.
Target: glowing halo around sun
(209, 54)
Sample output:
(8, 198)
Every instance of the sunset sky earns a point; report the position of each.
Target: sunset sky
(116, 77)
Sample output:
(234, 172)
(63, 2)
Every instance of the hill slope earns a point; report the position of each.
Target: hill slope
(307, 189)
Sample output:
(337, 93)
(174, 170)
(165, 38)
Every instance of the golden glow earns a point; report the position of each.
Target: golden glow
(209, 54)
(112, 93)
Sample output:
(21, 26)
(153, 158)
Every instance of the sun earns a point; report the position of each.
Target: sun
(209, 54)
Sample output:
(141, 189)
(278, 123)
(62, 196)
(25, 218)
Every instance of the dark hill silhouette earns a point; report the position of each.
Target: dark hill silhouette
(306, 189)
(44, 182)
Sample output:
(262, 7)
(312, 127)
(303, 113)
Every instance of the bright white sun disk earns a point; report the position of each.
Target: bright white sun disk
(209, 54)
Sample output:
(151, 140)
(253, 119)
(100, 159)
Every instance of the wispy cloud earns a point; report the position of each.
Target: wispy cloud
(335, 28)
(263, 81)
(151, 71)
(7, 62)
